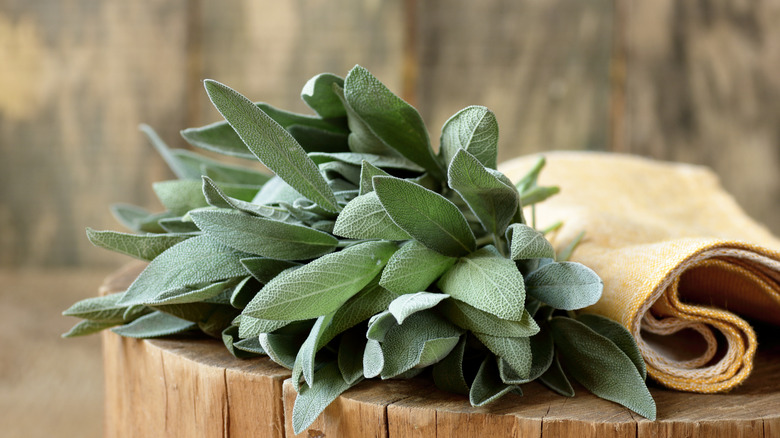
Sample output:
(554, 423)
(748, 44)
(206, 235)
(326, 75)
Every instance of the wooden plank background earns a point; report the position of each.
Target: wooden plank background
(688, 81)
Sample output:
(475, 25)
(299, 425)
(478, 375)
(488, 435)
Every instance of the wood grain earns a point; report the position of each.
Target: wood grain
(193, 387)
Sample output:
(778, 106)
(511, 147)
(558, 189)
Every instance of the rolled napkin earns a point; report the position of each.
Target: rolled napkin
(678, 257)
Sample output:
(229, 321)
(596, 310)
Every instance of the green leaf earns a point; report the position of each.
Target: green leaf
(618, 334)
(365, 218)
(195, 261)
(530, 179)
(536, 195)
(181, 196)
(154, 325)
(427, 216)
(230, 339)
(347, 176)
(281, 348)
(105, 309)
(565, 285)
(221, 172)
(350, 355)
(244, 291)
(487, 386)
(565, 253)
(478, 321)
(143, 247)
(380, 161)
(321, 286)
(601, 367)
(515, 351)
(448, 372)
(83, 328)
(413, 268)
(528, 243)
(138, 219)
(555, 379)
(218, 137)
(272, 145)
(487, 281)
(473, 129)
(180, 169)
(361, 139)
(250, 327)
(494, 202)
(311, 401)
(318, 94)
(217, 198)
(304, 360)
(276, 191)
(367, 173)
(178, 225)
(373, 359)
(265, 269)
(371, 300)
(422, 340)
(542, 353)
(264, 237)
(396, 123)
(191, 294)
(251, 345)
(409, 304)
(379, 325)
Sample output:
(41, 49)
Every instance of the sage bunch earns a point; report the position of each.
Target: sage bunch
(366, 254)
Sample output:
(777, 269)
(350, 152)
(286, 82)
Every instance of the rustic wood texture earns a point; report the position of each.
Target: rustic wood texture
(688, 81)
(193, 387)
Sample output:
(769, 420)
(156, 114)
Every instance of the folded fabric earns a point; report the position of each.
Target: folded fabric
(679, 259)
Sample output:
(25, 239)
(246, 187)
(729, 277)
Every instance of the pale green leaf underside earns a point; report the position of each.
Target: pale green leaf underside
(408, 304)
(318, 94)
(365, 218)
(141, 246)
(321, 286)
(413, 268)
(618, 334)
(487, 385)
(311, 401)
(475, 130)
(528, 243)
(154, 325)
(565, 285)
(470, 318)
(515, 351)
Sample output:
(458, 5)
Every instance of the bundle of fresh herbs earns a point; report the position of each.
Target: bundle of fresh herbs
(365, 255)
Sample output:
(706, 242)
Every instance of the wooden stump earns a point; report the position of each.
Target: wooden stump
(192, 387)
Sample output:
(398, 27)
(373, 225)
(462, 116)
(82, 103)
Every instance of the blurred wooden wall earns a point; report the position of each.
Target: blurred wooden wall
(678, 80)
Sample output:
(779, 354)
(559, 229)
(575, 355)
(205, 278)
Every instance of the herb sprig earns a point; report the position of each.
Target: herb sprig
(365, 255)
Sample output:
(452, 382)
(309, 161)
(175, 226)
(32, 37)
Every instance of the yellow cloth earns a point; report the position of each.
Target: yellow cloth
(678, 256)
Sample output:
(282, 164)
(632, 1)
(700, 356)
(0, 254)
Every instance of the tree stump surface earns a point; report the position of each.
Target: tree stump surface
(192, 387)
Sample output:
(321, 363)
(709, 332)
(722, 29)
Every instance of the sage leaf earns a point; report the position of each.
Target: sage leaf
(422, 340)
(361, 139)
(194, 261)
(448, 372)
(392, 120)
(180, 169)
(264, 237)
(380, 161)
(264, 269)
(365, 218)
(105, 309)
(322, 285)
(311, 401)
(536, 195)
(555, 379)
(272, 144)
(225, 173)
(618, 334)
(143, 247)
(494, 202)
(304, 361)
(475, 130)
(408, 304)
(181, 196)
(250, 327)
(515, 351)
(528, 243)
(379, 325)
(87, 327)
(243, 292)
(532, 176)
(565, 285)
(542, 353)
(427, 216)
(318, 94)
(413, 268)
(251, 345)
(601, 367)
(276, 191)
(281, 348)
(340, 176)
(191, 294)
(487, 281)
(350, 355)
(154, 325)
(373, 359)
(487, 385)
(479, 321)
(179, 225)
(367, 173)
(138, 219)
(371, 300)
(230, 339)
(217, 198)
(218, 137)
